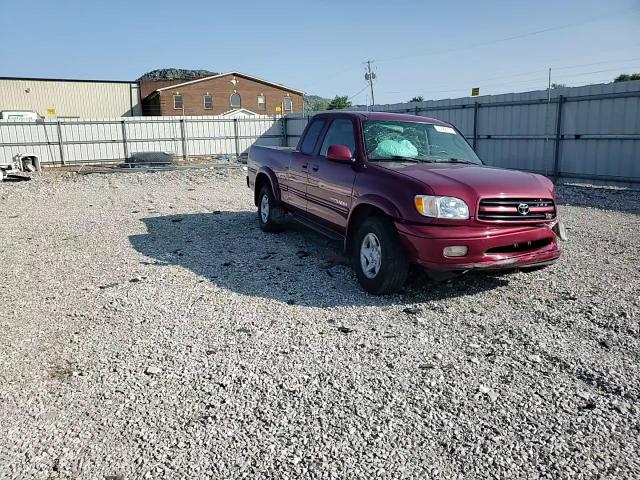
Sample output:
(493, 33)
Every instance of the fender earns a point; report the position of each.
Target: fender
(275, 186)
(378, 201)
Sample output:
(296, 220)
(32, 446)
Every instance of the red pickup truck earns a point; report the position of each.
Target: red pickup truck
(400, 190)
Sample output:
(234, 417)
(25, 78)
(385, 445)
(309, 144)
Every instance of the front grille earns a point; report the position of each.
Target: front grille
(516, 209)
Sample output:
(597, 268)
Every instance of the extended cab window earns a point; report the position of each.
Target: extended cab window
(311, 137)
(340, 133)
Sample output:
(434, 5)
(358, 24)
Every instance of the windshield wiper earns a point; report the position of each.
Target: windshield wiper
(411, 159)
(457, 160)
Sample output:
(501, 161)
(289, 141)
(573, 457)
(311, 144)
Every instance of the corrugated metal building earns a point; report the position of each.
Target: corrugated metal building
(61, 98)
(589, 132)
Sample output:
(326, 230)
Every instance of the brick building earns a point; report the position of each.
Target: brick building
(218, 94)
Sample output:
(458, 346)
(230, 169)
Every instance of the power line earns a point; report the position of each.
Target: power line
(326, 77)
(551, 62)
(596, 63)
(512, 37)
(531, 81)
(540, 68)
(329, 76)
(590, 54)
(597, 71)
(464, 86)
(356, 94)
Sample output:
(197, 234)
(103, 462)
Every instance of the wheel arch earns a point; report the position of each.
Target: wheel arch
(265, 176)
(367, 206)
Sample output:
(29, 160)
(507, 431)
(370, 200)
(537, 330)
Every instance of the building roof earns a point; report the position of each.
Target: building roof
(239, 74)
(239, 111)
(36, 79)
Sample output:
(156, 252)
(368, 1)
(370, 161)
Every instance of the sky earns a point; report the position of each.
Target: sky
(435, 49)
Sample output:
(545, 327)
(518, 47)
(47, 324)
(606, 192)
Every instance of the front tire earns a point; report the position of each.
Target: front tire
(379, 260)
(269, 214)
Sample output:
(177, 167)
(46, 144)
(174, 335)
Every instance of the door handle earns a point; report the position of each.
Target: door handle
(314, 168)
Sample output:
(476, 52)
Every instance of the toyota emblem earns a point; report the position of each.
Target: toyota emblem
(523, 209)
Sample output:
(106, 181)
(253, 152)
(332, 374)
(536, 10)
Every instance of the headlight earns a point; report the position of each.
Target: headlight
(441, 207)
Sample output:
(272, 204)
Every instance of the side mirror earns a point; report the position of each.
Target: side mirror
(340, 153)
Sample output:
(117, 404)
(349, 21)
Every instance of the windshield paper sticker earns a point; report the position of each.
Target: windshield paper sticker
(442, 129)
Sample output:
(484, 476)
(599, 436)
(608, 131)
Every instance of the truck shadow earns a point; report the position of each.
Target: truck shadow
(16, 178)
(297, 266)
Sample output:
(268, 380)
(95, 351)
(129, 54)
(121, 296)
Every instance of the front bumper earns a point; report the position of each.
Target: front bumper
(488, 248)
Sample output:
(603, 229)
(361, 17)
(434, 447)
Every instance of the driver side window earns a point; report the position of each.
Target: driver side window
(340, 132)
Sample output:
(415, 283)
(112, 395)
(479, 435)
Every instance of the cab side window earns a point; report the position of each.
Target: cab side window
(311, 137)
(340, 132)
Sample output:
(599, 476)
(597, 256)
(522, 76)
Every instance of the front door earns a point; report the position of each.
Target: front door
(330, 184)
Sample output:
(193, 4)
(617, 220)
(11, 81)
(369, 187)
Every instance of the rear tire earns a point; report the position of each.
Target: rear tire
(270, 215)
(379, 260)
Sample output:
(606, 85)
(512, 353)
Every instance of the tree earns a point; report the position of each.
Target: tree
(557, 85)
(625, 77)
(419, 98)
(314, 103)
(339, 103)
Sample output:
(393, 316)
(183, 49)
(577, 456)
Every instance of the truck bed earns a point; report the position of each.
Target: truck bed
(275, 158)
(273, 147)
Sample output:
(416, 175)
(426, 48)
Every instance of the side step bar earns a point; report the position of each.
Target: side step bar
(317, 228)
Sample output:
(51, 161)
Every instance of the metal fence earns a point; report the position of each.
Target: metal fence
(69, 142)
(590, 132)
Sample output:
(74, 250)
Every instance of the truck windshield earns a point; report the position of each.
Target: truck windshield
(421, 142)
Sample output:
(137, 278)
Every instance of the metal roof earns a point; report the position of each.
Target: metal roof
(36, 79)
(240, 74)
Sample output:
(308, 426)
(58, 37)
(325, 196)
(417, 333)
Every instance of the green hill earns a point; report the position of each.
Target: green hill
(175, 74)
(315, 103)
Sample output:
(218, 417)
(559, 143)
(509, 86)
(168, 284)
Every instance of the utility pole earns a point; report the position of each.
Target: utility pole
(370, 76)
(549, 88)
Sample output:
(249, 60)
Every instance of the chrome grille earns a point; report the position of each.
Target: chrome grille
(516, 209)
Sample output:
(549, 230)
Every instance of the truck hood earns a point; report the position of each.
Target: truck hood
(471, 182)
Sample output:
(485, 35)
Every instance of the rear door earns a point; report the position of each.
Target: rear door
(330, 184)
(298, 172)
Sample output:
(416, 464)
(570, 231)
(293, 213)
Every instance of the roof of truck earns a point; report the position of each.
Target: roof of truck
(399, 117)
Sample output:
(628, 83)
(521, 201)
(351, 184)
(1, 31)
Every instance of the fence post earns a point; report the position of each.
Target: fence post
(125, 147)
(60, 142)
(285, 132)
(235, 135)
(476, 106)
(556, 153)
(183, 134)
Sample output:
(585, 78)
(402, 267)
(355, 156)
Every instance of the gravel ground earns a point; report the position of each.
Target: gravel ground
(149, 329)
